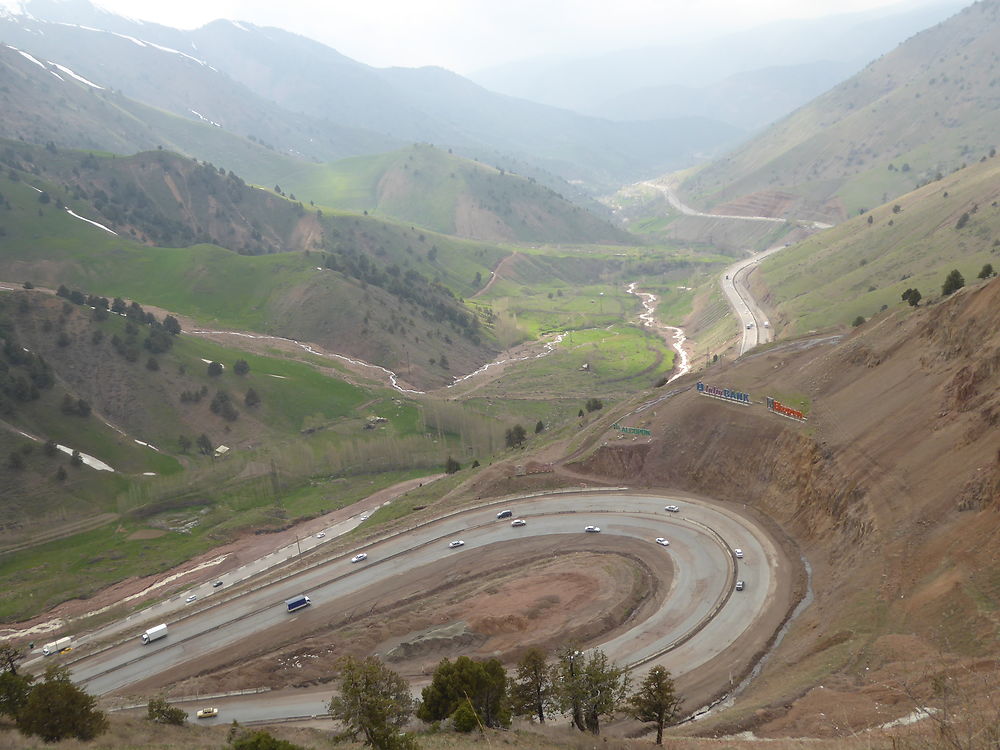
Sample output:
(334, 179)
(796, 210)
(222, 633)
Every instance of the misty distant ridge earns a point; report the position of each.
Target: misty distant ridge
(580, 127)
(781, 65)
(303, 99)
(748, 100)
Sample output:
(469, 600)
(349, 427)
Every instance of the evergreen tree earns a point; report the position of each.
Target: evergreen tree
(481, 683)
(531, 688)
(14, 691)
(655, 701)
(57, 709)
(373, 702)
(588, 688)
(952, 283)
(205, 445)
(515, 436)
(171, 326)
(159, 711)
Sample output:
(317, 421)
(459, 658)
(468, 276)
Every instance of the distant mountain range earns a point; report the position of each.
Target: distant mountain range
(746, 79)
(908, 118)
(305, 100)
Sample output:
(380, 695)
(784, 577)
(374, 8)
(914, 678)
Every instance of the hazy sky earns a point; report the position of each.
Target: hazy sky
(467, 35)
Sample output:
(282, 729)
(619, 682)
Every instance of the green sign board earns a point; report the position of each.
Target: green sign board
(631, 430)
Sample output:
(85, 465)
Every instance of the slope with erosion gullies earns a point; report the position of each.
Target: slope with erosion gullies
(857, 267)
(162, 199)
(922, 110)
(891, 488)
(453, 195)
(376, 291)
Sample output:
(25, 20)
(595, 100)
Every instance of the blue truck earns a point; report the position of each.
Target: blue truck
(297, 602)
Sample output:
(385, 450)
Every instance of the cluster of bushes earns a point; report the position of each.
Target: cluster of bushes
(222, 405)
(436, 301)
(189, 397)
(375, 703)
(23, 374)
(159, 335)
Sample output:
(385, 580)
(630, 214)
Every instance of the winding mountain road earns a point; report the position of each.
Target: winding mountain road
(734, 281)
(703, 631)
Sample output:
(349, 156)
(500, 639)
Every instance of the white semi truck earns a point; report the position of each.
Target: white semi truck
(155, 633)
(57, 647)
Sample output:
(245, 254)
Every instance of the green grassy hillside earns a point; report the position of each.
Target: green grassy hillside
(923, 110)
(867, 262)
(367, 288)
(449, 194)
(302, 445)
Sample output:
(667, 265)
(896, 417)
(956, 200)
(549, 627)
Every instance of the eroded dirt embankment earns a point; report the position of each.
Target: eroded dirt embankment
(891, 489)
(747, 458)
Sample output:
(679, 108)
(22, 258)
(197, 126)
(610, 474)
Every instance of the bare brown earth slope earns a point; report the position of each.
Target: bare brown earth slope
(891, 488)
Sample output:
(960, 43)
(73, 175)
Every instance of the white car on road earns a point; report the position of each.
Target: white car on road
(455, 544)
(593, 529)
(191, 598)
(739, 553)
(672, 509)
(662, 542)
(518, 522)
(359, 557)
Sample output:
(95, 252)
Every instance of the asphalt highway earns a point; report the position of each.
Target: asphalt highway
(701, 618)
(736, 287)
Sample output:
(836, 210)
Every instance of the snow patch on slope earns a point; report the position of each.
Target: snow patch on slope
(77, 76)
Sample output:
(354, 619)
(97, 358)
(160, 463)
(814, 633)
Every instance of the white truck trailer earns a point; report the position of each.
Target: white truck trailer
(57, 647)
(155, 633)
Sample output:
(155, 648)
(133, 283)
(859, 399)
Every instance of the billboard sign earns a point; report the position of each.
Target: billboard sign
(631, 430)
(727, 394)
(786, 411)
